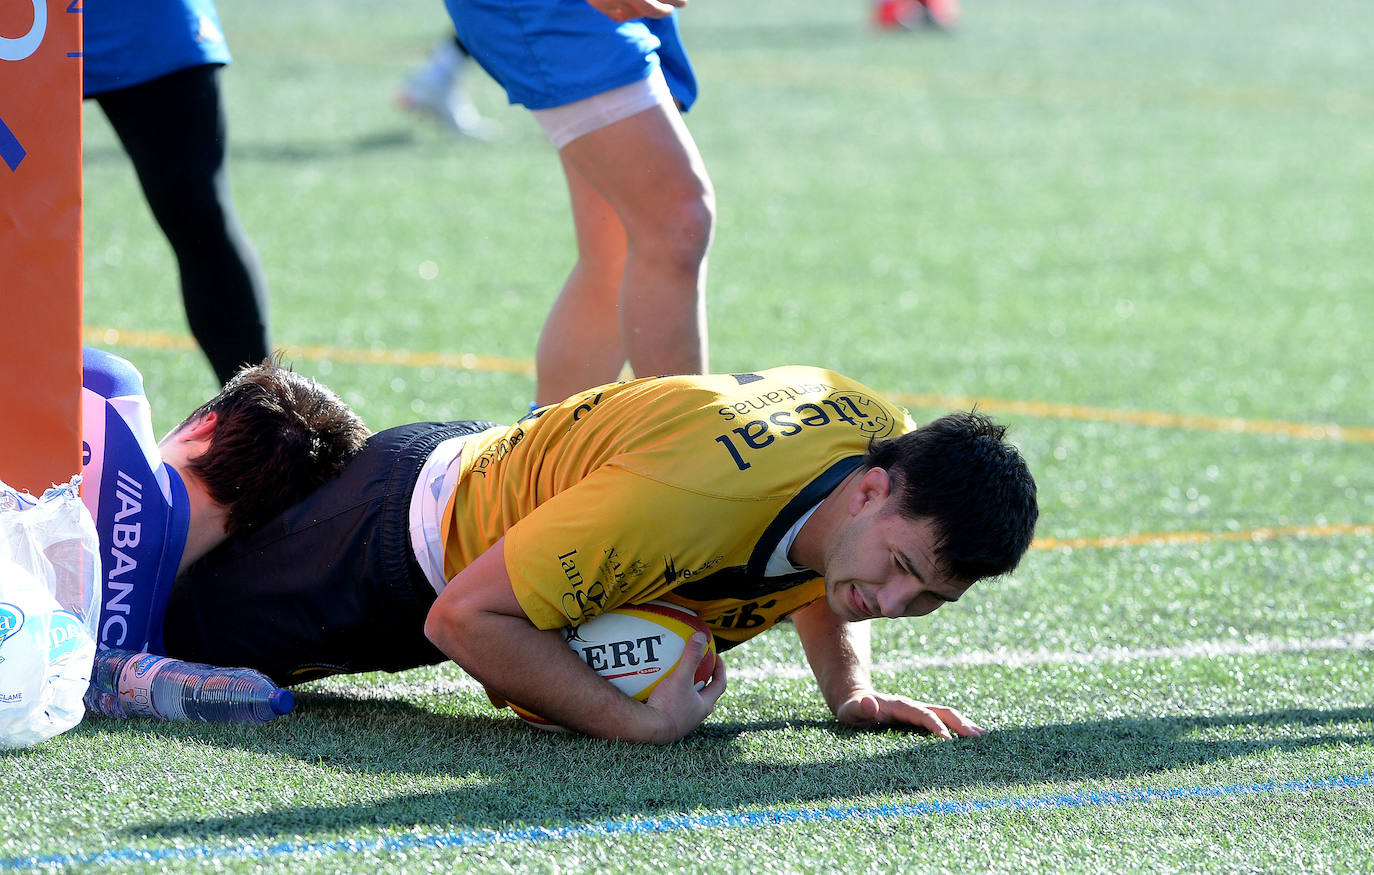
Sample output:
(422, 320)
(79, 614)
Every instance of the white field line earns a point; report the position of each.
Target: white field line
(1259, 646)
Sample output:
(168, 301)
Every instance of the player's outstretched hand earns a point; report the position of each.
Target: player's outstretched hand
(681, 707)
(625, 10)
(879, 709)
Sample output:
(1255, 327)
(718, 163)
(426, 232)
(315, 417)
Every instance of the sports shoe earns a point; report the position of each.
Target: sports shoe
(893, 14)
(447, 106)
(910, 14)
(943, 14)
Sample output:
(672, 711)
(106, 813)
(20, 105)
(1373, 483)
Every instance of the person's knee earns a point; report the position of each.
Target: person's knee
(681, 231)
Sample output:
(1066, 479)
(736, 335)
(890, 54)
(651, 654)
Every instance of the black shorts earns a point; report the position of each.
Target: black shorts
(330, 585)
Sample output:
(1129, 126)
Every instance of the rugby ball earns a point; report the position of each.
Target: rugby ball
(634, 647)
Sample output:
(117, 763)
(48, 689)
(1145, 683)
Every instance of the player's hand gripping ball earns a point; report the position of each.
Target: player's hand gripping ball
(634, 647)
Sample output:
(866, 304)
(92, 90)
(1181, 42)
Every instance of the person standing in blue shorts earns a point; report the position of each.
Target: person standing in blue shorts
(608, 81)
(153, 67)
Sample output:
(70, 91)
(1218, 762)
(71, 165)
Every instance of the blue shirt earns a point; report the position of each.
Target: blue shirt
(129, 42)
(138, 503)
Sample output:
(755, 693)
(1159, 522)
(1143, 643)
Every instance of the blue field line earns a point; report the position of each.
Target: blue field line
(612, 828)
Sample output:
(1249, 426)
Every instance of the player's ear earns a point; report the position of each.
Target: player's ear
(874, 485)
(202, 428)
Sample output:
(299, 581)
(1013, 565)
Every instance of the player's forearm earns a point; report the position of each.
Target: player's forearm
(478, 622)
(538, 671)
(839, 653)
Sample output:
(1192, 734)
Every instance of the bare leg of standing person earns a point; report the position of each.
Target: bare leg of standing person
(644, 171)
(580, 342)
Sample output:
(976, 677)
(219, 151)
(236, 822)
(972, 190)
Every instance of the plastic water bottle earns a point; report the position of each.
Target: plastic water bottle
(129, 684)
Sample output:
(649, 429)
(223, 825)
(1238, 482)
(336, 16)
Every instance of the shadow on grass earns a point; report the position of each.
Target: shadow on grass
(499, 774)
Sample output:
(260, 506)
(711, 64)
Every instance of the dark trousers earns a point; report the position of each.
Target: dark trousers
(173, 129)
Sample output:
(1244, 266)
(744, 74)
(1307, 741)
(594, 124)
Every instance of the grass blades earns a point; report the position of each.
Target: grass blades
(1138, 233)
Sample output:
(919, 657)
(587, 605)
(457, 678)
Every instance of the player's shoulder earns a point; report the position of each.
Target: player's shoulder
(817, 395)
(805, 379)
(108, 375)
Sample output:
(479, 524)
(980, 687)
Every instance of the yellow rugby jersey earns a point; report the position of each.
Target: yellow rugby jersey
(668, 487)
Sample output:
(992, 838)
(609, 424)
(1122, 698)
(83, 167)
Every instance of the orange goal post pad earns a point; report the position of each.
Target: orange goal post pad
(40, 242)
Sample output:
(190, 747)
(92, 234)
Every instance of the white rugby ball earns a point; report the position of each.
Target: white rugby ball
(634, 647)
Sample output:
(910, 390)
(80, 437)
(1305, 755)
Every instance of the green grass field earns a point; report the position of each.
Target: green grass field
(1139, 233)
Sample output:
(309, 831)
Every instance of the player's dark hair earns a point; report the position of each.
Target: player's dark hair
(959, 472)
(278, 436)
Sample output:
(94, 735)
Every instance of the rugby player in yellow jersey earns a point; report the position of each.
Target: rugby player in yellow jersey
(790, 493)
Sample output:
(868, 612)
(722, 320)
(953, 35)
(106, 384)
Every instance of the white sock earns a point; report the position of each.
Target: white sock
(443, 66)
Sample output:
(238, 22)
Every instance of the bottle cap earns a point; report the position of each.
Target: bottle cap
(281, 701)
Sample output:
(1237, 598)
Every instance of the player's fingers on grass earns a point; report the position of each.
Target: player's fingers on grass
(904, 711)
(956, 721)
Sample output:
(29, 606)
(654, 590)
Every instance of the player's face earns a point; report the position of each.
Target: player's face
(882, 564)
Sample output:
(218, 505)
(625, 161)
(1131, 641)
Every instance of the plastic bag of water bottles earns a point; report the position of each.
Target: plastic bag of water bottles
(49, 608)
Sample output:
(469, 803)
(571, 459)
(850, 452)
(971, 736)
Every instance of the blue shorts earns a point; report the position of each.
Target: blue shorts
(548, 54)
(131, 43)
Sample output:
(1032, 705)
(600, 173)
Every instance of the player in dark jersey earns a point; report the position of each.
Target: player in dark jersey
(275, 436)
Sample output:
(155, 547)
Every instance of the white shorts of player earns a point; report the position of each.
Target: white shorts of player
(566, 123)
